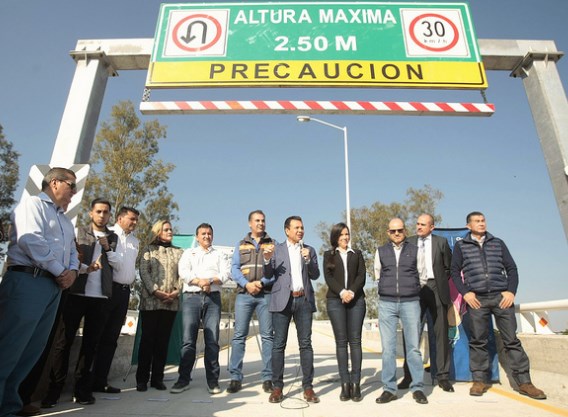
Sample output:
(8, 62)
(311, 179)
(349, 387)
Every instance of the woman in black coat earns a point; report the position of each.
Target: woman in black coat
(344, 271)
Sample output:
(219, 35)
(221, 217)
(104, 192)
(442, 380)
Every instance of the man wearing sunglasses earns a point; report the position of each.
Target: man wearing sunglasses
(400, 273)
(42, 261)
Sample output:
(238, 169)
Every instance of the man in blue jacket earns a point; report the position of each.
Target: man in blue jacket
(488, 286)
(293, 266)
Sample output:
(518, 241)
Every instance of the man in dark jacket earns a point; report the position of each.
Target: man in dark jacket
(488, 286)
(247, 270)
(400, 273)
(86, 298)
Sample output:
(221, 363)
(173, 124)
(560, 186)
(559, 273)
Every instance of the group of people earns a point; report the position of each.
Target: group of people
(55, 279)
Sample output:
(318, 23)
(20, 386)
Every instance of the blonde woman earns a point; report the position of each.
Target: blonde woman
(158, 305)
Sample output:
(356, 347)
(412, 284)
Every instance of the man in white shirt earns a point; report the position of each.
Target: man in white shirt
(85, 301)
(114, 312)
(203, 270)
(42, 261)
(293, 265)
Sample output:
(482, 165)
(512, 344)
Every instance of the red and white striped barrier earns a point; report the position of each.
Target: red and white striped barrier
(407, 108)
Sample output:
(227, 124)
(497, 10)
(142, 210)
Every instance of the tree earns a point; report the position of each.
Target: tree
(370, 224)
(9, 173)
(321, 302)
(125, 169)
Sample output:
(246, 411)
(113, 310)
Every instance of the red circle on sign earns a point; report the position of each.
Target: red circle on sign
(201, 48)
(431, 48)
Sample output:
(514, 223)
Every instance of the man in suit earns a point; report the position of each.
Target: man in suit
(293, 265)
(434, 296)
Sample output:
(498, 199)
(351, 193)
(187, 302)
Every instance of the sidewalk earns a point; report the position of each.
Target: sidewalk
(251, 401)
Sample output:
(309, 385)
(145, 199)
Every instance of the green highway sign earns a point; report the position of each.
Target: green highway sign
(298, 44)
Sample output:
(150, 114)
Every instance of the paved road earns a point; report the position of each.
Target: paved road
(252, 402)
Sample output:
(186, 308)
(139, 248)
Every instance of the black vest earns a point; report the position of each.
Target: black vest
(399, 282)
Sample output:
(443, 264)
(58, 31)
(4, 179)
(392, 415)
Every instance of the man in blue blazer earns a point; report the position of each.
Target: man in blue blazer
(293, 265)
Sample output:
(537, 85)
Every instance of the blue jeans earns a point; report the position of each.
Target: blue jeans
(196, 308)
(301, 310)
(245, 305)
(347, 324)
(479, 335)
(27, 310)
(409, 314)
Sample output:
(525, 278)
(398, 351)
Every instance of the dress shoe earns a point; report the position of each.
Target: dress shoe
(84, 399)
(29, 410)
(356, 392)
(345, 394)
(445, 385)
(267, 386)
(405, 383)
(141, 387)
(49, 401)
(531, 391)
(276, 396)
(419, 397)
(386, 397)
(478, 388)
(107, 389)
(310, 396)
(234, 386)
(159, 385)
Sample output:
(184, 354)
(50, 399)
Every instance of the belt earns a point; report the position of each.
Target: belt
(199, 292)
(36, 272)
(297, 294)
(121, 286)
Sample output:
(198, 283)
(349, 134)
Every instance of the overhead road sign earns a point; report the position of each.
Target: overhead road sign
(412, 108)
(316, 44)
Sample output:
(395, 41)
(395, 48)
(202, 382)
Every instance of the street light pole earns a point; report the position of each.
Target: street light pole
(344, 130)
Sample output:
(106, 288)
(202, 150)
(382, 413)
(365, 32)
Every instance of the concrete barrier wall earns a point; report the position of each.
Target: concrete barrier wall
(549, 364)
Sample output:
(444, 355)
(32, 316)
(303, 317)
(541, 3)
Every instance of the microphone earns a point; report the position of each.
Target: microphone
(306, 260)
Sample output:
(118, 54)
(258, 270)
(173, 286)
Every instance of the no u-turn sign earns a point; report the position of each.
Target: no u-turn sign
(196, 33)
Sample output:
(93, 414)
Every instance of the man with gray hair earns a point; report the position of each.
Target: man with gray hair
(42, 260)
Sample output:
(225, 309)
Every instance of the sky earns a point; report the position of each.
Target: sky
(228, 165)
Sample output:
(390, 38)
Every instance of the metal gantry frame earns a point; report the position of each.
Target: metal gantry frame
(534, 61)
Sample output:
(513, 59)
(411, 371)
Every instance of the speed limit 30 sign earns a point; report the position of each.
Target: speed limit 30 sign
(436, 33)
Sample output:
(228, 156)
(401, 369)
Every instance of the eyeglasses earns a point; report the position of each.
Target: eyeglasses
(393, 231)
(71, 185)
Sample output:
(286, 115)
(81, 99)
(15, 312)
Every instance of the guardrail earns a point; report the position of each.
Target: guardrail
(534, 316)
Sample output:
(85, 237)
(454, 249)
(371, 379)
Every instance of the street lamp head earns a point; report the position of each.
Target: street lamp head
(304, 118)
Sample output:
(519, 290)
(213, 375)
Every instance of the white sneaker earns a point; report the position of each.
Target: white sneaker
(214, 390)
(179, 388)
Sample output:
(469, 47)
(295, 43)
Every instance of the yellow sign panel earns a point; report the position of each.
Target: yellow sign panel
(424, 74)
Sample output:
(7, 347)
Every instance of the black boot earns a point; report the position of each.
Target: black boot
(356, 392)
(345, 392)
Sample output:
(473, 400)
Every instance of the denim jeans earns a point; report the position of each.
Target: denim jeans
(245, 306)
(409, 314)
(479, 334)
(347, 324)
(196, 308)
(301, 310)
